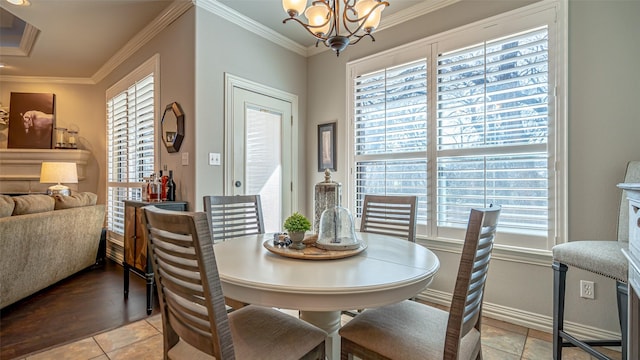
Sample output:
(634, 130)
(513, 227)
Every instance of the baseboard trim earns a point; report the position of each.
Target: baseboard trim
(524, 318)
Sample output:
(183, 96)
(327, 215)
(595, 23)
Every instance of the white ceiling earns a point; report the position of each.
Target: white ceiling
(77, 38)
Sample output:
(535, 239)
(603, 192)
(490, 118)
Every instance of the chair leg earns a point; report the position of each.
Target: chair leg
(622, 296)
(559, 286)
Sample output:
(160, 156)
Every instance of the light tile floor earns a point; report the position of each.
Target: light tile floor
(142, 340)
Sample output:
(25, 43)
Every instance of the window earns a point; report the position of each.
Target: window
(464, 119)
(131, 112)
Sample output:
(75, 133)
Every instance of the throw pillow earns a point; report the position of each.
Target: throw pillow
(6, 205)
(31, 204)
(75, 200)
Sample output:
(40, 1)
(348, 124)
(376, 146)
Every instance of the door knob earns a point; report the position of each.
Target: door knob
(238, 183)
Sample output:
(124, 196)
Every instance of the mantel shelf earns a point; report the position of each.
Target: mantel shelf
(24, 164)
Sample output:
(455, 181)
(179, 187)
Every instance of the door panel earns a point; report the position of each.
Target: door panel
(261, 156)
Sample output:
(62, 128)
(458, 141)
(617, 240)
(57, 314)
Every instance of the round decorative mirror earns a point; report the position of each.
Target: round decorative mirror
(173, 127)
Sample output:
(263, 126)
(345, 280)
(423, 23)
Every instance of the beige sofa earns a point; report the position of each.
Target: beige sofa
(45, 239)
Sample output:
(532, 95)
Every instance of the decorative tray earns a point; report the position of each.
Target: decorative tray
(312, 252)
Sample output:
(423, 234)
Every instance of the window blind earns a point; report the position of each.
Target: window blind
(130, 147)
(390, 133)
(464, 119)
(492, 131)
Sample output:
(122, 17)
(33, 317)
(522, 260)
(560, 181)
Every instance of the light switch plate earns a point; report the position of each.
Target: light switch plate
(185, 158)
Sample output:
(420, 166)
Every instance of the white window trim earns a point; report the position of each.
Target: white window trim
(152, 65)
(559, 166)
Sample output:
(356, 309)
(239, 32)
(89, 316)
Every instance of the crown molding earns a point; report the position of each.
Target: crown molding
(48, 80)
(413, 12)
(169, 15)
(251, 25)
(179, 7)
(397, 18)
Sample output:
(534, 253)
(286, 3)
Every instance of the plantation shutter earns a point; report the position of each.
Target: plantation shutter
(492, 132)
(390, 133)
(130, 148)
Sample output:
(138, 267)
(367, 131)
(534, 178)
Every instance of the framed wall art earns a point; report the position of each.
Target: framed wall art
(31, 120)
(327, 147)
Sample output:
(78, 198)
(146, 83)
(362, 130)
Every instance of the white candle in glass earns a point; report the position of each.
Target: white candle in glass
(72, 138)
(60, 136)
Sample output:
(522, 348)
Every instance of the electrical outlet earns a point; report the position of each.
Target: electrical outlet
(214, 158)
(587, 289)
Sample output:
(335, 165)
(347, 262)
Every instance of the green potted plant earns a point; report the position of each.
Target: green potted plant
(296, 225)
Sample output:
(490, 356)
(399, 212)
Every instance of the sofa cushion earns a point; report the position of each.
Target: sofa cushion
(75, 200)
(6, 205)
(31, 204)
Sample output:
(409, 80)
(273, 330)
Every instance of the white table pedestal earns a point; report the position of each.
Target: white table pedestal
(328, 321)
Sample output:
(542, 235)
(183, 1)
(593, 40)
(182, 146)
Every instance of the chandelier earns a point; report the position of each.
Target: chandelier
(334, 26)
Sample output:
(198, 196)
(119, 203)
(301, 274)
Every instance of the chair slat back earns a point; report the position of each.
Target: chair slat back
(234, 216)
(390, 215)
(190, 294)
(466, 305)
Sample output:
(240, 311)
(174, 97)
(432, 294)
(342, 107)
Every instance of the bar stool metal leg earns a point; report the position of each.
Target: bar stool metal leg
(559, 285)
(622, 296)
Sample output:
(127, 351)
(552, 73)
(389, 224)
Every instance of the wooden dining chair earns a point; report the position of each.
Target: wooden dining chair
(234, 216)
(194, 320)
(412, 330)
(390, 215)
(231, 217)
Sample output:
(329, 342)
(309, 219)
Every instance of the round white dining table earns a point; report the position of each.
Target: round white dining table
(389, 270)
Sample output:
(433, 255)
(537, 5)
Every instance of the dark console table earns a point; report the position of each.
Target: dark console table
(136, 251)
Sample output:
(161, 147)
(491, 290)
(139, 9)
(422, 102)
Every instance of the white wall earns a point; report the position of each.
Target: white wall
(224, 47)
(603, 135)
(175, 45)
(76, 106)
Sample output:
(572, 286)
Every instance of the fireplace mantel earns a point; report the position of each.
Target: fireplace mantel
(20, 168)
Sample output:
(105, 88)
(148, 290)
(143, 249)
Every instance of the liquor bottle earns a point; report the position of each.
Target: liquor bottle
(145, 189)
(171, 187)
(163, 191)
(152, 179)
(155, 188)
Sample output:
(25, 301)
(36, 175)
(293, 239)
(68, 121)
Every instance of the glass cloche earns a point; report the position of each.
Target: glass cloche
(337, 231)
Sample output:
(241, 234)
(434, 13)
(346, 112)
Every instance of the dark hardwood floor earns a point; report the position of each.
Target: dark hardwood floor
(83, 305)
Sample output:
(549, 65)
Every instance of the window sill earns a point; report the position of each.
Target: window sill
(500, 252)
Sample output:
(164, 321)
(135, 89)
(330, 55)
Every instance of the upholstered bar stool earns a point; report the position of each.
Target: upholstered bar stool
(602, 257)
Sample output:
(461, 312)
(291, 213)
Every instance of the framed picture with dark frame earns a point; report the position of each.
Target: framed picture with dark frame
(31, 121)
(327, 147)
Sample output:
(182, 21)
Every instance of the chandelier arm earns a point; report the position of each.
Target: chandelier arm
(346, 19)
(308, 27)
(381, 3)
(359, 37)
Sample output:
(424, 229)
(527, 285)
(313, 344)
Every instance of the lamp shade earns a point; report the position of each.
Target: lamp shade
(367, 14)
(295, 7)
(318, 16)
(58, 172)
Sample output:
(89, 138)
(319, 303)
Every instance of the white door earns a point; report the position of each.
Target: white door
(261, 157)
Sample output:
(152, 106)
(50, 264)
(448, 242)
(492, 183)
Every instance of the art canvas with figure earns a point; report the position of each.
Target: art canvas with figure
(31, 120)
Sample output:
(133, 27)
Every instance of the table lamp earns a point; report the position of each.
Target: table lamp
(58, 172)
